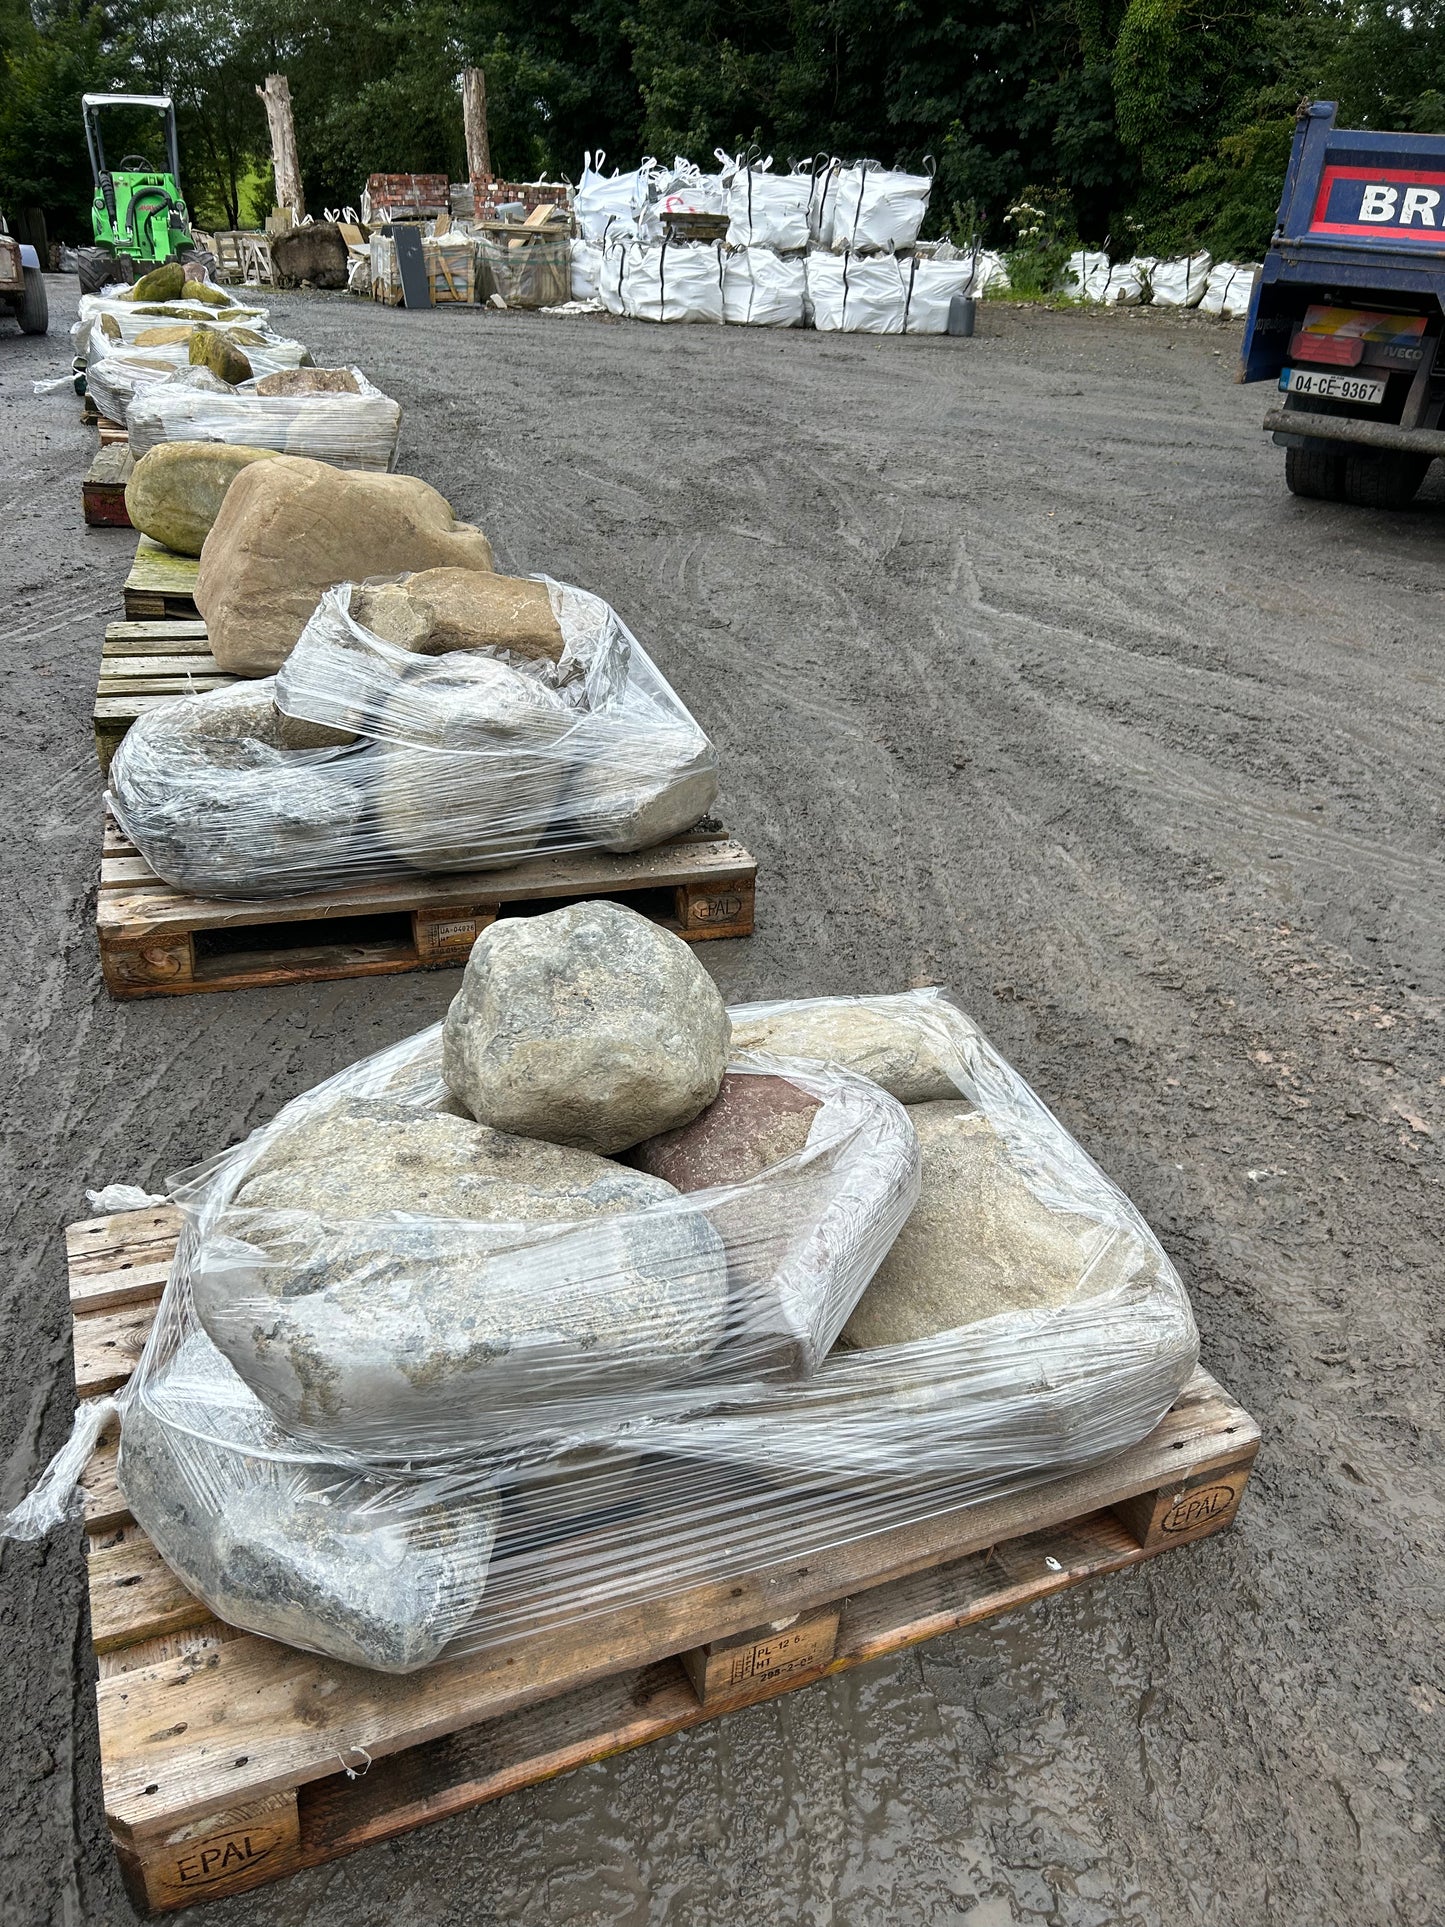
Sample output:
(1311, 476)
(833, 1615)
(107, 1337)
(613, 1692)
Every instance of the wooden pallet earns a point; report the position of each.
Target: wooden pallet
(102, 491)
(145, 664)
(157, 942)
(161, 584)
(223, 1755)
(112, 434)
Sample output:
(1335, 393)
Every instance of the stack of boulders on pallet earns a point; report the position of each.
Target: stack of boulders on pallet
(597, 1290)
(406, 710)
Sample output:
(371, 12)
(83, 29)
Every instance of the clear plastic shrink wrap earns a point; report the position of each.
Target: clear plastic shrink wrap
(1023, 1322)
(116, 382)
(362, 759)
(354, 428)
(112, 320)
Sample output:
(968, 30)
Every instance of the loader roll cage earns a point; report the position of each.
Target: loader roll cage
(91, 105)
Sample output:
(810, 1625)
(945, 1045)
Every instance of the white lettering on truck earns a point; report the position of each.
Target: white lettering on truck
(1378, 203)
(1422, 201)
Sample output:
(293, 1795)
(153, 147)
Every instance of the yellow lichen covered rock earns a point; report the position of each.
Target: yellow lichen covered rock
(175, 492)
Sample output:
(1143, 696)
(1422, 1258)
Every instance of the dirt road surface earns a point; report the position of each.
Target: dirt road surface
(1029, 678)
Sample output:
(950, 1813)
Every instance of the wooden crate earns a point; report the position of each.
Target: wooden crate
(145, 664)
(223, 1755)
(161, 585)
(102, 491)
(156, 942)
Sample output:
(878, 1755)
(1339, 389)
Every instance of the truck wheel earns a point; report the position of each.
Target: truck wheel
(1381, 479)
(33, 313)
(1317, 472)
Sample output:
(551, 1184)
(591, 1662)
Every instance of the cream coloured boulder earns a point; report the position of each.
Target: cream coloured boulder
(175, 491)
(291, 528)
(438, 610)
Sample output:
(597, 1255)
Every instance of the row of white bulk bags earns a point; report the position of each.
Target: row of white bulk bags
(1228, 290)
(1089, 275)
(869, 206)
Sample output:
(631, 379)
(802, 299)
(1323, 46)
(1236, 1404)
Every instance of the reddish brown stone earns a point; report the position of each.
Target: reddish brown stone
(753, 1122)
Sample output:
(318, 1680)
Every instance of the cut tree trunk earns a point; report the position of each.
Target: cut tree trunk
(474, 123)
(276, 95)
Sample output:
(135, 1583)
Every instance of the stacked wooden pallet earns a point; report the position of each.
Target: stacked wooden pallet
(224, 1756)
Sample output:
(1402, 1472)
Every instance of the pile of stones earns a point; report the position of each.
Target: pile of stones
(592, 1236)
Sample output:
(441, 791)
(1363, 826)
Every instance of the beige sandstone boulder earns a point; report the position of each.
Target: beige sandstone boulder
(309, 381)
(218, 352)
(291, 528)
(175, 491)
(438, 610)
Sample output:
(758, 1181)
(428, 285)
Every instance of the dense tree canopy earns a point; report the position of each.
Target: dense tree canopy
(1156, 123)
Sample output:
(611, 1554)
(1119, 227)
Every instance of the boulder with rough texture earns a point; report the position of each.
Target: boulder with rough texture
(212, 349)
(220, 802)
(384, 1274)
(163, 335)
(374, 1571)
(588, 1026)
(476, 781)
(309, 381)
(164, 283)
(314, 253)
(290, 528)
(752, 1123)
(175, 491)
(209, 293)
(979, 1242)
(888, 1040)
(438, 610)
(640, 778)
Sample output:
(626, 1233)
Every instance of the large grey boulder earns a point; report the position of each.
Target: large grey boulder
(376, 1571)
(979, 1241)
(471, 763)
(898, 1042)
(225, 797)
(589, 1026)
(403, 1281)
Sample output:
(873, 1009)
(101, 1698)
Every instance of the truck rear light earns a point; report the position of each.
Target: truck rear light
(1336, 351)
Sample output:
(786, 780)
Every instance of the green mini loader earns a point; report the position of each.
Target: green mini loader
(138, 217)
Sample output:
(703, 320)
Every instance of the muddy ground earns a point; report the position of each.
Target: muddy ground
(1030, 678)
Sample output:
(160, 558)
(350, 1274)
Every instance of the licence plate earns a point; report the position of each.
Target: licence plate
(1361, 388)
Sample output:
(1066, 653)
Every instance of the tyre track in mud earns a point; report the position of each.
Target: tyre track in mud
(1028, 676)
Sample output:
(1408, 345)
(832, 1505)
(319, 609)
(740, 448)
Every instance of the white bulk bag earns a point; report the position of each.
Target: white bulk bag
(928, 291)
(768, 210)
(875, 207)
(762, 289)
(603, 199)
(1228, 290)
(989, 271)
(611, 274)
(1181, 283)
(1085, 272)
(855, 294)
(1124, 284)
(586, 270)
(676, 281)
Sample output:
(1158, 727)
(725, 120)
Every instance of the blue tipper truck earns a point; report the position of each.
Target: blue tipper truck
(1348, 312)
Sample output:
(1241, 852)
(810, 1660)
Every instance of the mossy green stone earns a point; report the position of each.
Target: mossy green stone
(161, 284)
(176, 491)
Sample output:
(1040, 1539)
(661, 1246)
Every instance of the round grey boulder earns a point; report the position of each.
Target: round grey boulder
(590, 1026)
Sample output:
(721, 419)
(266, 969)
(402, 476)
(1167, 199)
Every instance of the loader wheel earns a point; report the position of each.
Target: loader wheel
(1381, 479)
(98, 268)
(33, 313)
(1317, 472)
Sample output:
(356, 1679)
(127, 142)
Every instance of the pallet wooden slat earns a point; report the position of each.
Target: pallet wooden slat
(700, 885)
(222, 1752)
(160, 583)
